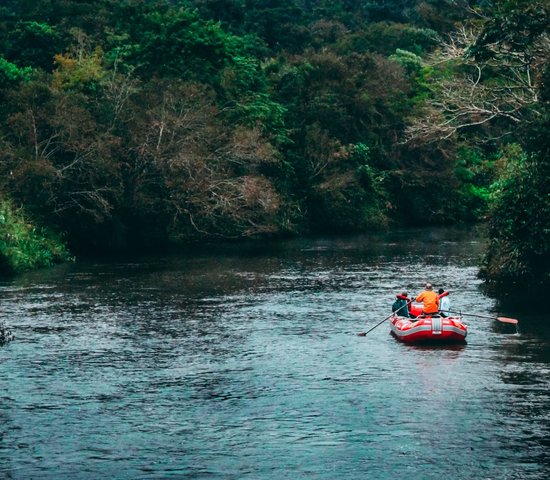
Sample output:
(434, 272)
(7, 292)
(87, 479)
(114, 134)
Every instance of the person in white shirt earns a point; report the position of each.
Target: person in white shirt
(444, 303)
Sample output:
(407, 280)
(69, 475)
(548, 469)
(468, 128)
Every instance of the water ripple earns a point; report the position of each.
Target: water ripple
(247, 366)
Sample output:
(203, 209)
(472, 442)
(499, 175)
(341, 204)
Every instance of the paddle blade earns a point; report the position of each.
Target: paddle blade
(513, 321)
(362, 334)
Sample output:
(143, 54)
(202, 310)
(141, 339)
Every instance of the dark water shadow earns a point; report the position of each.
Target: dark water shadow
(450, 347)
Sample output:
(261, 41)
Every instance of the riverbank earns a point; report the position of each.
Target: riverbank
(25, 246)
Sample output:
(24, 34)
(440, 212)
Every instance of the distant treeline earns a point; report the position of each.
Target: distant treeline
(131, 123)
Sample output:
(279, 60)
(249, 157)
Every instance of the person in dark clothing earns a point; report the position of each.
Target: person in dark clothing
(402, 303)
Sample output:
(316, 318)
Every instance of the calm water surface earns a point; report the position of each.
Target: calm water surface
(245, 364)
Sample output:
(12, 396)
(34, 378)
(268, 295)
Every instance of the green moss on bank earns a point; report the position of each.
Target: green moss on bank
(24, 246)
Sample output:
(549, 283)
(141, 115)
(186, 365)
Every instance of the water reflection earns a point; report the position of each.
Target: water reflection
(244, 363)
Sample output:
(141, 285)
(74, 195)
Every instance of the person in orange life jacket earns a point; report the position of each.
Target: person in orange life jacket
(403, 303)
(444, 303)
(429, 299)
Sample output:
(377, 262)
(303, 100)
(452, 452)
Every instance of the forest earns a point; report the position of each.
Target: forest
(130, 124)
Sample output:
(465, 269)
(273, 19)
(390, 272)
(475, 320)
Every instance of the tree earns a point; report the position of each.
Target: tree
(58, 160)
(11, 74)
(495, 89)
(498, 86)
(203, 176)
(33, 44)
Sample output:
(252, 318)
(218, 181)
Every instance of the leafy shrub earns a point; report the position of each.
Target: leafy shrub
(23, 246)
(11, 74)
(519, 224)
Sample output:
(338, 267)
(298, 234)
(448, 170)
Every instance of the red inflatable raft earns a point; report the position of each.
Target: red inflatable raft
(428, 329)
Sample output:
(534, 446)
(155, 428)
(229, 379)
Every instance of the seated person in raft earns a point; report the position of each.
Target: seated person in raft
(401, 306)
(430, 301)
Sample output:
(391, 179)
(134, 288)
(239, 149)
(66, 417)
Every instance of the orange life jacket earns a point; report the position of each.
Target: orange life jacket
(430, 300)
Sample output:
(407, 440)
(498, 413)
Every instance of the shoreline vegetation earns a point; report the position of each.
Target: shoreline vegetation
(25, 246)
(128, 124)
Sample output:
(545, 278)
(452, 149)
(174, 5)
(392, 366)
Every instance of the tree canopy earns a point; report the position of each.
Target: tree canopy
(135, 122)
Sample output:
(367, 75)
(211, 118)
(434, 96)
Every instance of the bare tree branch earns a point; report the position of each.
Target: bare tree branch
(501, 86)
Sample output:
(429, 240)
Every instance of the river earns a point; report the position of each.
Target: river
(245, 364)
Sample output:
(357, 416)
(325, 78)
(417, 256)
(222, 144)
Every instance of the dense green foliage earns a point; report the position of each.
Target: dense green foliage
(519, 224)
(135, 122)
(24, 246)
(519, 221)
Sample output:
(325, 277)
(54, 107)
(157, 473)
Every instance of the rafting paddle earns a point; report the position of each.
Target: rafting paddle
(364, 334)
(512, 321)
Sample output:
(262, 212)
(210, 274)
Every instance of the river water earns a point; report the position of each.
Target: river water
(246, 364)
